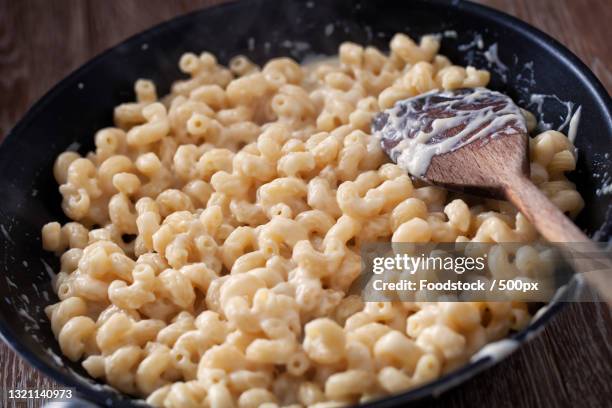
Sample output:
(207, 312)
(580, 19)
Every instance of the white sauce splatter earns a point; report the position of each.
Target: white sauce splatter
(296, 45)
(6, 234)
(606, 188)
(497, 350)
(475, 43)
(491, 54)
(539, 99)
(10, 282)
(73, 147)
(445, 34)
(573, 125)
(23, 313)
(525, 79)
(555, 299)
(55, 357)
(48, 269)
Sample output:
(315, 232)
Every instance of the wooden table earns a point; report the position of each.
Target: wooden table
(569, 364)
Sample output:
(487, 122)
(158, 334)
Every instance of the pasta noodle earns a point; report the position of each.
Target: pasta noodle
(215, 234)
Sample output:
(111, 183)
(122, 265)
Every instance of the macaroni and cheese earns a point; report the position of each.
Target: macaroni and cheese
(215, 233)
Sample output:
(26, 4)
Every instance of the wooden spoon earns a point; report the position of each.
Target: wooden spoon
(475, 141)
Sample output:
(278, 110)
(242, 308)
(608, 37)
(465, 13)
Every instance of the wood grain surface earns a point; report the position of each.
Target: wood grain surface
(568, 365)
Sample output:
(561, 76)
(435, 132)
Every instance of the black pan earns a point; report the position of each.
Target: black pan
(532, 63)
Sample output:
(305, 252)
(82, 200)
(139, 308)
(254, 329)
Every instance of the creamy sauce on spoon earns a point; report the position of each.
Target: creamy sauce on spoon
(417, 129)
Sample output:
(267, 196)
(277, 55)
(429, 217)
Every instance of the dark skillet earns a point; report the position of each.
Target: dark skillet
(82, 103)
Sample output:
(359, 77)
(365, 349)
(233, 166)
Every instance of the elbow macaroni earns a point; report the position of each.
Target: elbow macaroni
(215, 234)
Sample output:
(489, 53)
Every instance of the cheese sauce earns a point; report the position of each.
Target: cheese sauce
(417, 129)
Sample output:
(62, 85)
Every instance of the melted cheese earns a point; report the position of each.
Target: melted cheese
(416, 138)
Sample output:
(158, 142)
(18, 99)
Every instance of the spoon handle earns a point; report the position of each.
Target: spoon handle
(556, 227)
(543, 214)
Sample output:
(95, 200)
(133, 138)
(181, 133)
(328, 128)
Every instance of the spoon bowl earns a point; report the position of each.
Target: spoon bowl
(468, 140)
